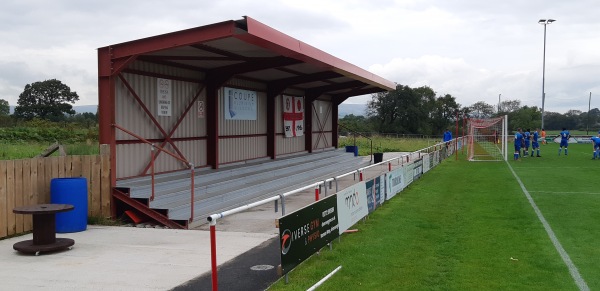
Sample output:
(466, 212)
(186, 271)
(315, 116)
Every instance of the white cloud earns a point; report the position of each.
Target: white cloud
(473, 50)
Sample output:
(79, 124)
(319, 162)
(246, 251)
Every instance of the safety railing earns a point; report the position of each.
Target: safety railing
(154, 147)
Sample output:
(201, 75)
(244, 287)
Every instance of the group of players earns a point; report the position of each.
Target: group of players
(523, 140)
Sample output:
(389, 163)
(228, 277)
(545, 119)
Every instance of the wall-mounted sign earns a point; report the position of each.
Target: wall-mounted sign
(201, 110)
(164, 97)
(239, 104)
(293, 116)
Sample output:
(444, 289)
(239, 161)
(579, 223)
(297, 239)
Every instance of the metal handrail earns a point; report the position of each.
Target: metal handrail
(212, 219)
(354, 134)
(152, 155)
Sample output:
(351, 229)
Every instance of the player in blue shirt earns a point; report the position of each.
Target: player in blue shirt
(535, 145)
(518, 141)
(527, 139)
(564, 140)
(596, 145)
(447, 137)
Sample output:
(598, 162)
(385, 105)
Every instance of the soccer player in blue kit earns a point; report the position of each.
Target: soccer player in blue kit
(564, 140)
(518, 141)
(535, 145)
(596, 145)
(526, 137)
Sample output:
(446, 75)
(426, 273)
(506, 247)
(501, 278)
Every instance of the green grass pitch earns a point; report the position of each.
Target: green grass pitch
(469, 226)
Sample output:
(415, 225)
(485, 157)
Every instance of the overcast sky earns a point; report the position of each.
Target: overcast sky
(473, 50)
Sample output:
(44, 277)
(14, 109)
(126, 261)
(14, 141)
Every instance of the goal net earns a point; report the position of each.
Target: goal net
(487, 139)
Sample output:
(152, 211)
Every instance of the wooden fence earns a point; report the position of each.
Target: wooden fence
(27, 182)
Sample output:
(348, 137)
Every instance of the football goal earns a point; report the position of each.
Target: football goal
(487, 139)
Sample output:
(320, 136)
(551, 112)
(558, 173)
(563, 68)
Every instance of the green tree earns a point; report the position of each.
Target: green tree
(4, 108)
(47, 100)
(357, 123)
(481, 110)
(508, 106)
(525, 117)
(444, 113)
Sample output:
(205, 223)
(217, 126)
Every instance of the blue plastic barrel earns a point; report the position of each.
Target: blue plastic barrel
(352, 149)
(70, 191)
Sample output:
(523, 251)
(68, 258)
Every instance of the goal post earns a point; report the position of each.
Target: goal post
(488, 139)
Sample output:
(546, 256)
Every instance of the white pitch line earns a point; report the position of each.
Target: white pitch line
(549, 192)
(563, 253)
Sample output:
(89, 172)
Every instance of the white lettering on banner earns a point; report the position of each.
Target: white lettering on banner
(163, 89)
(293, 115)
(352, 205)
(239, 104)
(395, 182)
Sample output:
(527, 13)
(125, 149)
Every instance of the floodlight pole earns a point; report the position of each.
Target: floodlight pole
(544, 22)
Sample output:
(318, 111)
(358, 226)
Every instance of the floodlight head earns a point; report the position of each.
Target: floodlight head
(542, 21)
(550, 21)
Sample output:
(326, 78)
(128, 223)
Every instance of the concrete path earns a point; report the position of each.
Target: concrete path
(121, 258)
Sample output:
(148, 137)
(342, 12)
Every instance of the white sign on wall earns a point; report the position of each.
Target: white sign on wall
(164, 97)
(293, 116)
(352, 205)
(201, 109)
(239, 104)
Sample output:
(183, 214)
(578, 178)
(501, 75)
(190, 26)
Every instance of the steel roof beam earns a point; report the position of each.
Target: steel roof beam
(172, 40)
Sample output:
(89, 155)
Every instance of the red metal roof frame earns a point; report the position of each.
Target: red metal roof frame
(255, 33)
(274, 58)
(264, 36)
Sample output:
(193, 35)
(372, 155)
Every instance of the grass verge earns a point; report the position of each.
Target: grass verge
(463, 226)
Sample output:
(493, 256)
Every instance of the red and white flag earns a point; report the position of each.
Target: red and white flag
(293, 116)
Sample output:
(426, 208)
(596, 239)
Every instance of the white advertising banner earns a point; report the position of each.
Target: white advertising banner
(395, 182)
(163, 96)
(426, 163)
(293, 116)
(352, 205)
(239, 104)
(408, 174)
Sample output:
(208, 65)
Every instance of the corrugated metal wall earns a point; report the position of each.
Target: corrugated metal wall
(242, 140)
(322, 124)
(286, 145)
(239, 140)
(133, 158)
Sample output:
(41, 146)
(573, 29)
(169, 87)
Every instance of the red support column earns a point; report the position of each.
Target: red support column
(316, 193)
(106, 108)
(271, 130)
(213, 257)
(212, 123)
(334, 124)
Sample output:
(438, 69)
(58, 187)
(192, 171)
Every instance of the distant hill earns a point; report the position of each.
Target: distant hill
(78, 109)
(356, 109)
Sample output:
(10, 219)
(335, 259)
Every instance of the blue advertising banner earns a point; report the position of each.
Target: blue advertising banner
(374, 194)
